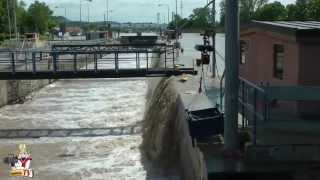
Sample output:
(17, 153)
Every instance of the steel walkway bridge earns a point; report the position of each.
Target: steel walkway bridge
(76, 132)
(66, 61)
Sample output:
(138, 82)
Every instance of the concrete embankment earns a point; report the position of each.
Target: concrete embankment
(166, 137)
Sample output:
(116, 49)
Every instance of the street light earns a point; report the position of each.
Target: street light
(107, 20)
(81, 9)
(9, 19)
(168, 7)
(88, 12)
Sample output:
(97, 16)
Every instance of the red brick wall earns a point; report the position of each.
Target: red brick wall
(309, 76)
(259, 62)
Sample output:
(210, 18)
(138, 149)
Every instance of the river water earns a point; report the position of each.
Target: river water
(94, 103)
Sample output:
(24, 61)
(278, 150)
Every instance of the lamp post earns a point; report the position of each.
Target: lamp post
(168, 8)
(9, 19)
(106, 13)
(107, 6)
(81, 8)
(88, 13)
(15, 19)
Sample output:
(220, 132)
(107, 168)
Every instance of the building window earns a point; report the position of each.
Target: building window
(278, 60)
(243, 53)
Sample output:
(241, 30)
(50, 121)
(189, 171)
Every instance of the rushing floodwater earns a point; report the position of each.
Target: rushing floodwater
(90, 103)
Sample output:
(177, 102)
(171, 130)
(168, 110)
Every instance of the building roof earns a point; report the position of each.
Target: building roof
(295, 28)
(295, 25)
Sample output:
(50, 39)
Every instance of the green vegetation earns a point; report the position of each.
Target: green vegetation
(198, 20)
(261, 10)
(36, 18)
(301, 10)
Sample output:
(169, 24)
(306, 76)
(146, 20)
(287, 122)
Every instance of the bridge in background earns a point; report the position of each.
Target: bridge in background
(66, 61)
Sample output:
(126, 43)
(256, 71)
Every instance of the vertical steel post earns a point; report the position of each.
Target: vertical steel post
(26, 60)
(232, 80)
(255, 116)
(243, 103)
(13, 66)
(264, 102)
(116, 62)
(34, 69)
(75, 62)
(147, 56)
(214, 38)
(137, 67)
(176, 20)
(165, 58)
(55, 62)
(95, 62)
(173, 56)
(86, 61)
(138, 60)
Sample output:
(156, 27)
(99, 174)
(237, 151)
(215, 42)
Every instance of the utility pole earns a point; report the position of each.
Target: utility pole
(231, 75)
(105, 22)
(214, 38)
(88, 13)
(176, 18)
(9, 19)
(107, 4)
(80, 12)
(15, 19)
(181, 9)
(158, 18)
(158, 22)
(168, 8)
(172, 16)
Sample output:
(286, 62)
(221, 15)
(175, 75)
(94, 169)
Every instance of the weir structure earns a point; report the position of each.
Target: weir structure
(90, 61)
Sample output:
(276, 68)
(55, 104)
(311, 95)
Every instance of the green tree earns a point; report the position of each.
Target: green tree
(2, 16)
(180, 22)
(271, 12)
(201, 20)
(299, 11)
(249, 7)
(21, 17)
(314, 10)
(222, 13)
(39, 17)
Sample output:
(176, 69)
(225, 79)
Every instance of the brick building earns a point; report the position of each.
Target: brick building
(283, 53)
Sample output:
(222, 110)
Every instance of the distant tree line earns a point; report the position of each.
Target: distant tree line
(301, 10)
(35, 18)
(198, 20)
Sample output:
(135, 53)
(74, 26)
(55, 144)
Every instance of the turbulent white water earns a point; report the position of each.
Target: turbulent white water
(94, 103)
(79, 104)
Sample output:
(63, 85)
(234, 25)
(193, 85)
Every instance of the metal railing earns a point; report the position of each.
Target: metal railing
(90, 58)
(253, 106)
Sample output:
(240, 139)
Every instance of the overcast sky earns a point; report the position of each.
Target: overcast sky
(125, 10)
